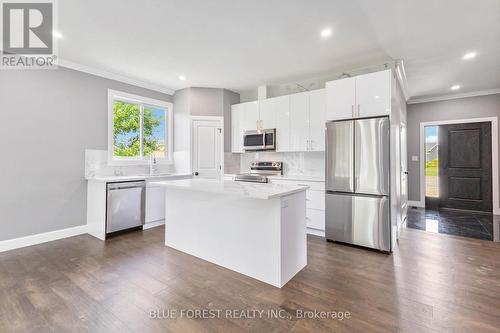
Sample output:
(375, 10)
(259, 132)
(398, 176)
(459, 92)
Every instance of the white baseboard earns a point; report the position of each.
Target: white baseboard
(11, 244)
(315, 232)
(153, 224)
(415, 204)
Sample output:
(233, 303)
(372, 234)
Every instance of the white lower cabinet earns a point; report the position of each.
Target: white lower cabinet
(315, 203)
(315, 199)
(155, 204)
(315, 219)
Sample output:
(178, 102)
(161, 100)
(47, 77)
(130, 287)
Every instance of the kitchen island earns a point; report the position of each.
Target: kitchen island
(255, 229)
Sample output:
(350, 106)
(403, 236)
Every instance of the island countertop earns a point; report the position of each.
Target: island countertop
(245, 189)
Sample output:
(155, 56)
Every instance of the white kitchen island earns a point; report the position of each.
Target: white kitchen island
(255, 229)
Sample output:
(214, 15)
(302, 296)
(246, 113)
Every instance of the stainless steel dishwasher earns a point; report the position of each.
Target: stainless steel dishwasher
(125, 206)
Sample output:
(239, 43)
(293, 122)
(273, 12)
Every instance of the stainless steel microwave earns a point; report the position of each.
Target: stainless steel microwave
(259, 140)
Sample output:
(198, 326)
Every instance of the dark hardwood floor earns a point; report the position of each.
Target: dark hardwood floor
(432, 283)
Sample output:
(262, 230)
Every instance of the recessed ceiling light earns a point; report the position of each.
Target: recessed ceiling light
(455, 87)
(326, 32)
(469, 56)
(57, 34)
(182, 77)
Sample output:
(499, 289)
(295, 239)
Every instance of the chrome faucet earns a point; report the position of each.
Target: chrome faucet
(152, 165)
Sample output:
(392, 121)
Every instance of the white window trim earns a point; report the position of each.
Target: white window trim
(123, 96)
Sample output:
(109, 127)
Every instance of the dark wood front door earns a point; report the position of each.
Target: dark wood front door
(465, 166)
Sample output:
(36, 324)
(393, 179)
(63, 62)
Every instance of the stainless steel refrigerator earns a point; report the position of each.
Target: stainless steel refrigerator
(358, 183)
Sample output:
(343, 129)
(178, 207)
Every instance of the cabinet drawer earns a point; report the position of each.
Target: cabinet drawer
(315, 219)
(315, 200)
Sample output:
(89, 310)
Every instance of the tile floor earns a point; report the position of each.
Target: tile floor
(457, 223)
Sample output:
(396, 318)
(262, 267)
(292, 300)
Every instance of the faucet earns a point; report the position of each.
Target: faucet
(152, 165)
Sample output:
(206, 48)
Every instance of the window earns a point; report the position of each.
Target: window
(139, 128)
(431, 162)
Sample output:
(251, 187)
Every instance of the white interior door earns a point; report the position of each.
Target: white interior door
(207, 148)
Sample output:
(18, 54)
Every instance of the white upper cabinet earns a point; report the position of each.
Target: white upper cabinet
(236, 129)
(267, 112)
(299, 121)
(373, 94)
(317, 119)
(282, 110)
(340, 98)
(361, 96)
(250, 116)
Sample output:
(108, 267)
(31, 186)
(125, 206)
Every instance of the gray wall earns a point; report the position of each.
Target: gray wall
(196, 101)
(229, 98)
(462, 108)
(47, 120)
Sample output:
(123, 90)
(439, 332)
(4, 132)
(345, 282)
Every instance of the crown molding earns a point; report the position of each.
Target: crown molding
(455, 96)
(114, 76)
(401, 77)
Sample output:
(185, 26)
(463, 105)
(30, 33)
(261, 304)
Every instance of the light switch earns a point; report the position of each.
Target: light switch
(414, 158)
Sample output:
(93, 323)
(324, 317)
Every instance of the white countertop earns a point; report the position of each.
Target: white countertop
(299, 178)
(250, 190)
(136, 177)
(304, 178)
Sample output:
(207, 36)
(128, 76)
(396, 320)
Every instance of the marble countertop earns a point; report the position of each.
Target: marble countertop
(299, 177)
(136, 177)
(249, 190)
(291, 177)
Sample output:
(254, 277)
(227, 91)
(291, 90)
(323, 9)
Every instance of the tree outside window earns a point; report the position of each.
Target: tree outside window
(139, 130)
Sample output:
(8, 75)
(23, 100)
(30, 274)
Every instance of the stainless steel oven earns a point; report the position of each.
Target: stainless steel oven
(259, 140)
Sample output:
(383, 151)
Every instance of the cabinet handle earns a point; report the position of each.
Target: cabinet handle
(352, 110)
(312, 147)
(359, 107)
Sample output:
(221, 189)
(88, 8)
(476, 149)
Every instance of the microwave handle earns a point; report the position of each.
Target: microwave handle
(264, 139)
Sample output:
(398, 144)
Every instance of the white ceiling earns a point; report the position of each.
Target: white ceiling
(239, 44)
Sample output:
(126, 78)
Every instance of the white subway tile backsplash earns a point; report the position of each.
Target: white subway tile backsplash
(96, 164)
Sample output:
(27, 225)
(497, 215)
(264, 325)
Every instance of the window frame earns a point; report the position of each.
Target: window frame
(115, 95)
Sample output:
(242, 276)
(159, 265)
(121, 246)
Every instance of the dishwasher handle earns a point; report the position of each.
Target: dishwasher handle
(125, 185)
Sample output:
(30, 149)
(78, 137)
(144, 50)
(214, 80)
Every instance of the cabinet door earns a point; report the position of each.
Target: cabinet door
(299, 121)
(155, 204)
(373, 94)
(236, 128)
(315, 219)
(317, 119)
(250, 115)
(267, 113)
(282, 109)
(340, 98)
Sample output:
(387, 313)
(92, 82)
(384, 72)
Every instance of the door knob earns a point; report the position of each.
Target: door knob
(196, 173)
